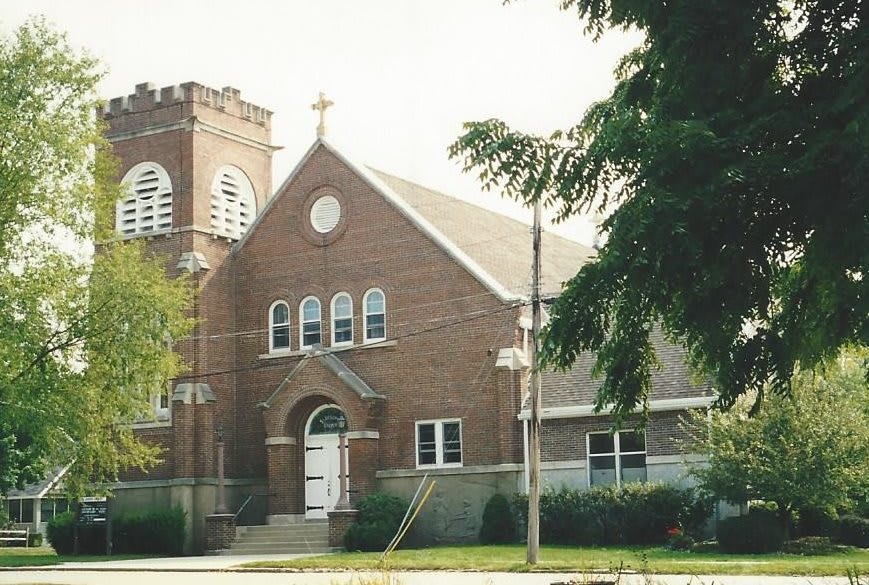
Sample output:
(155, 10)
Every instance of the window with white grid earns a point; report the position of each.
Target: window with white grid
(310, 331)
(342, 319)
(614, 459)
(439, 443)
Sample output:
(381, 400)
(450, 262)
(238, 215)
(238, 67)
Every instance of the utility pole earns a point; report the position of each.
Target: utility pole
(534, 441)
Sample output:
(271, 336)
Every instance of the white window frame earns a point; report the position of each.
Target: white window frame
(365, 315)
(302, 321)
(161, 414)
(132, 207)
(439, 443)
(272, 325)
(617, 453)
(334, 319)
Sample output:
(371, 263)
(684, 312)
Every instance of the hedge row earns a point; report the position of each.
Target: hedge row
(158, 531)
(853, 530)
(637, 513)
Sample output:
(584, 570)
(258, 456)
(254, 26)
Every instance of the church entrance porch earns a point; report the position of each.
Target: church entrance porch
(323, 460)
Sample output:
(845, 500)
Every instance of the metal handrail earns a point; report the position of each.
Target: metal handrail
(243, 505)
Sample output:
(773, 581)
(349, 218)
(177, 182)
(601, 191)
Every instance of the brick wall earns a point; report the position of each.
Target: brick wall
(339, 522)
(447, 326)
(564, 439)
(173, 127)
(219, 531)
(444, 373)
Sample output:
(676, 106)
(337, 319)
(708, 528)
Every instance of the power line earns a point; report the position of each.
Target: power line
(478, 315)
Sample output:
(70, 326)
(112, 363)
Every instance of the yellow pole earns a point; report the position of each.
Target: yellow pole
(407, 526)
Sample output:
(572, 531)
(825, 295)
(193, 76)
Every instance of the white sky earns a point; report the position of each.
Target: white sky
(404, 74)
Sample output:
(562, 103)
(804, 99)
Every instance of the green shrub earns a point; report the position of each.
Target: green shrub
(61, 534)
(812, 546)
(638, 513)
(853, 530)
(380, 517)
(499, 525)
(157, 531)
(815, 522)
(760, 531)
(34, 539)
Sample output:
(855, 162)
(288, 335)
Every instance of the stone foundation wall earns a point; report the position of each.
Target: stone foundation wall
(454, 511)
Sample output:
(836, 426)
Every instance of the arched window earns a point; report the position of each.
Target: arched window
(233, 205)
(309, 315)
(279, 326)
(342, 319)
(148, 204)
(375, 315)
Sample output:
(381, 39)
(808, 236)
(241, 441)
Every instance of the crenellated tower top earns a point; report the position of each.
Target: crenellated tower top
(148, 97)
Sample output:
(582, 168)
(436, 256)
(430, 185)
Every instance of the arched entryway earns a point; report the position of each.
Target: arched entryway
(322, 459)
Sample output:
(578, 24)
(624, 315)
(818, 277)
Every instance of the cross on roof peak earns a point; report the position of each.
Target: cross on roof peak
(321, 105)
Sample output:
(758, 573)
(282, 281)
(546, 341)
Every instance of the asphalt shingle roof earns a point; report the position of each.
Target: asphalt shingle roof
(576, 387)
(499, 244)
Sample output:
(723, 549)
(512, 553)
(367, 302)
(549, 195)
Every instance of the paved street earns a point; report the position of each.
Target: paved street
(216, 571)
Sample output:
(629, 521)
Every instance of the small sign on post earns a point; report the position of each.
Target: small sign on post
(93, 511)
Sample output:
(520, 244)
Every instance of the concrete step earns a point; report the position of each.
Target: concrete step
(270, 533)
(280, 550)
(289, 538)
(284, 528)
(310, 537)
(284, 538)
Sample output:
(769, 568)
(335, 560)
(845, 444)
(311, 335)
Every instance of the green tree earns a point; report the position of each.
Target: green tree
(83, 336)
(808, 450)
(732, 158)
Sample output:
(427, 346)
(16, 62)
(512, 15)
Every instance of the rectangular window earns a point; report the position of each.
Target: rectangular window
(281, 337)
(27, 510)
(439, 443)
(46, 506)
(344, 330)
(375, 327)
(616, 459)
(14, 510)
(310, 334)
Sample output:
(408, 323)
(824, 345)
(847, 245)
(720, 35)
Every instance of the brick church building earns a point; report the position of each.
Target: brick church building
(349, 301)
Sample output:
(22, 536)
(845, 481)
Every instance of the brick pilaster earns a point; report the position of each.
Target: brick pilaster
(219, 531)
(339, 522)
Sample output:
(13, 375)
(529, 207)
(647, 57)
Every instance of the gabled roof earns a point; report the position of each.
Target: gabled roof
(499, 244)
(493, 248)
(39, 489)
(577, 387)
(334, 364)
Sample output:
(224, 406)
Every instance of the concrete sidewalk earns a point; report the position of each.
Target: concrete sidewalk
(246, 577)
(223, 570)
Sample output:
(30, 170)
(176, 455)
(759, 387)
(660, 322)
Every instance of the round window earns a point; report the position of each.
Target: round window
(325, 214)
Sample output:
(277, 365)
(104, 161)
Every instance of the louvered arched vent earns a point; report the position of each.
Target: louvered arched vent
(148, 205)
(233, 205)
(325, 214)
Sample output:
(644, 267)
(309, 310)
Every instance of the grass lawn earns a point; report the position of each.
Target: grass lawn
(45, 555)
(567, 559)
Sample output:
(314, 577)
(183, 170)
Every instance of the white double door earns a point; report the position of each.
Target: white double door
(322, 474)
